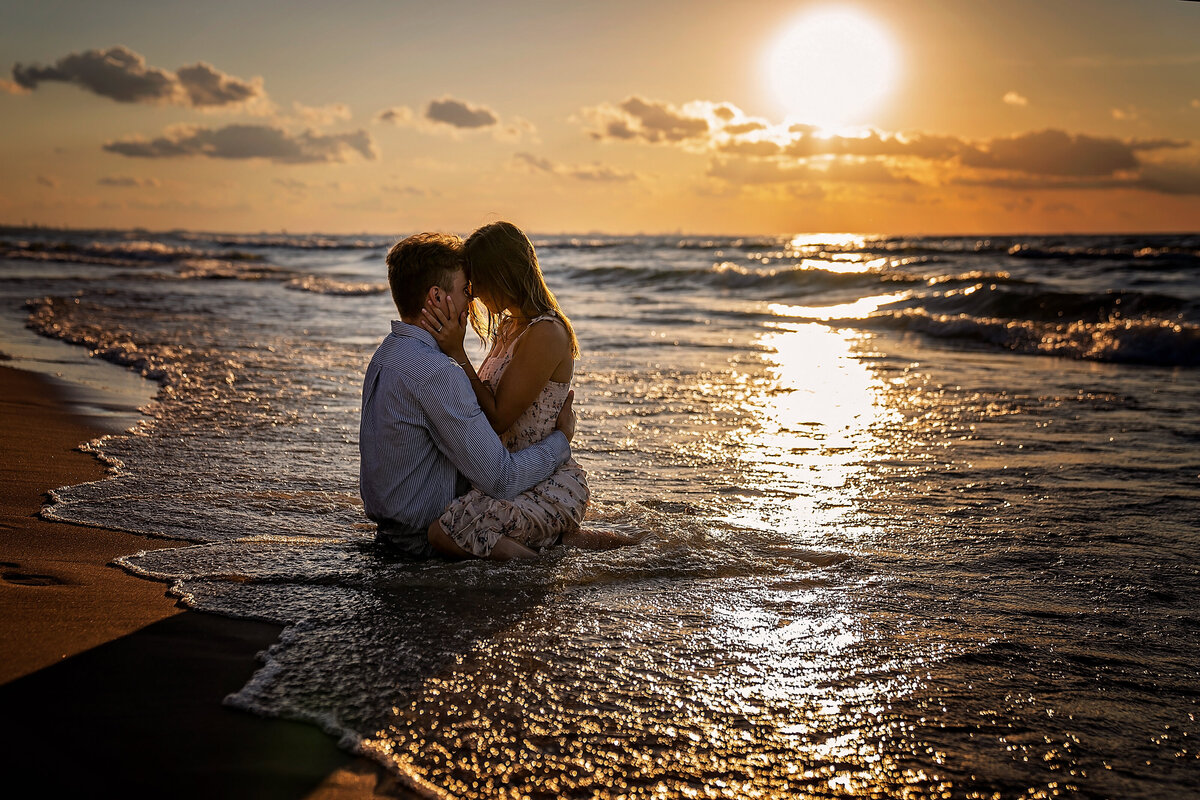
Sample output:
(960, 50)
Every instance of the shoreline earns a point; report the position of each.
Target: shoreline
(107, 682)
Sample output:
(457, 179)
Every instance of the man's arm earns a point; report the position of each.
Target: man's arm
(461, 431)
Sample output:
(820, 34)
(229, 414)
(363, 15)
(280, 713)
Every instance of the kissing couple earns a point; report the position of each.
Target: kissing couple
(463, 462)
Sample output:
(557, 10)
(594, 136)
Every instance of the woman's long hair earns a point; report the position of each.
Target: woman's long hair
(504, 266)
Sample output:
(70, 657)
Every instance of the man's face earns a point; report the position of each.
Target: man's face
(460, 290)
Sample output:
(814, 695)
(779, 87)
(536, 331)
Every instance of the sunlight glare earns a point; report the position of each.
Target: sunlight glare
(831, 66)
(816, 429)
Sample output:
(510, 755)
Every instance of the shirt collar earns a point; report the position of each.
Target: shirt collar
(402, 328)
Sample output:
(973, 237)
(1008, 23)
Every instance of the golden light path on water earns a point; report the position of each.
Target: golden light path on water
(817, 421)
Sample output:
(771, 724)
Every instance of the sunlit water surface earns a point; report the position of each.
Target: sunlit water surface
(917, 518)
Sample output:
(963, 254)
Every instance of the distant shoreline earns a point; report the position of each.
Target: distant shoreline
(6, 227)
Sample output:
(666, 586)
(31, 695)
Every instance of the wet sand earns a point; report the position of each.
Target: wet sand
(107, 684)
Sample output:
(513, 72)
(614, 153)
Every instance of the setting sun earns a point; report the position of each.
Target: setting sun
(831, 66)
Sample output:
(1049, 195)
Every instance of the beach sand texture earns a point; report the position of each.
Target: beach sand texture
(81, 638)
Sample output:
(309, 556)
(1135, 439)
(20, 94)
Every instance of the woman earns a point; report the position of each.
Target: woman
(521, 386)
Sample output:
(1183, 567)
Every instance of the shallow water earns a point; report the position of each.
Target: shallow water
(916, 516)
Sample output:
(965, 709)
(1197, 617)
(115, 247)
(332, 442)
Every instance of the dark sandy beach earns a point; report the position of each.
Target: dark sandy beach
(106, 683)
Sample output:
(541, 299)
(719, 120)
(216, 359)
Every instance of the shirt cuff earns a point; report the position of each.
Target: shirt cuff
(559, 445)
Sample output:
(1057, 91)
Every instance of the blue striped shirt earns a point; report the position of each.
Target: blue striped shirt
(421, 426)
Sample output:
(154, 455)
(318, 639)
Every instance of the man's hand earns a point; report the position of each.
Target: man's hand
(566, 417)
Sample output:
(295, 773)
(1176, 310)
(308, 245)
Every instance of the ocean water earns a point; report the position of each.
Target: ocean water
(916, 517)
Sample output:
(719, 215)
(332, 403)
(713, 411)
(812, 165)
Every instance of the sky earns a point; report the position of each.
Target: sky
(700, 117)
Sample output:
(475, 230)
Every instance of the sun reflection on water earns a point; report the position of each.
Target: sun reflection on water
(816, 418)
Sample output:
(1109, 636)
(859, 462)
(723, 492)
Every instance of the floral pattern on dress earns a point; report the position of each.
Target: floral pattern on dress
(536, 518)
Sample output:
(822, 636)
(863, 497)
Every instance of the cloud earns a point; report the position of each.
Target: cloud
(742, 171)
(398, 115)
(120, 74)
(595, 172)
(651, 121)
(207, 86)
(790, 152)
(248, 141)
(125, 181)
(9, 87)
(453, 117)
(49, 180)
(1055, 152)
(460, 114)
(1014, 99)
(322, 115)
(1178, 179)
(406, 190)
(1164, 178)
(1124, 114)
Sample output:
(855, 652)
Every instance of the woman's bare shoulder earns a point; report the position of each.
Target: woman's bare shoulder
(546, 334)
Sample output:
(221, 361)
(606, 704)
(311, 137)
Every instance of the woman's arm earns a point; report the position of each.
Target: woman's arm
(538, 353)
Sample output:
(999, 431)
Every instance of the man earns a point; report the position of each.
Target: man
(422, 430)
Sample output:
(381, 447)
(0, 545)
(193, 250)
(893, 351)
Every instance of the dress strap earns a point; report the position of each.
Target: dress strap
(550, 315)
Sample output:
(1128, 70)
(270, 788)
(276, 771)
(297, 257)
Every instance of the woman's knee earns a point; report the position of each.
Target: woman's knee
(441, 541)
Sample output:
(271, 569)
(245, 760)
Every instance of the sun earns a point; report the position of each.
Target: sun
(830, 67)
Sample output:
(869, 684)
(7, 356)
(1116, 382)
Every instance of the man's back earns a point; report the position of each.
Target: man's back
(420, 427)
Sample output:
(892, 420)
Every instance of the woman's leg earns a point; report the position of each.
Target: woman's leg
(504, 550)
(596, 540)
(442, 542)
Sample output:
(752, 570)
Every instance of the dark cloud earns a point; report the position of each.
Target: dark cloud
(806, 144)
(127, 182)
(725, 112)
(533, 163)
(460, 114)
(399, 115)
(751, 147)
(753, 171)
(207, 86)
(658, 121)
(1182, 179)
(745, 127)
(120, 74)
(1054, 152)
(652, 121)
(248, 141)
(584, 172)
(1175, 179)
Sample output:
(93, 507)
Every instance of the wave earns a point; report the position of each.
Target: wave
(122, 253)
(1154, 342)
(323, 285)
(776, 283)
(1028, 301)
(1132, 254)
(292, 241)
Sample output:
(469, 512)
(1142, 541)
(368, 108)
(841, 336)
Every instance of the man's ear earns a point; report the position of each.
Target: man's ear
(434, 295)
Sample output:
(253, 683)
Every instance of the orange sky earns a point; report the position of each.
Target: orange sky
(618, 117)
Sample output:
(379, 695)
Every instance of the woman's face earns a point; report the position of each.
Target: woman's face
(490, 301)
